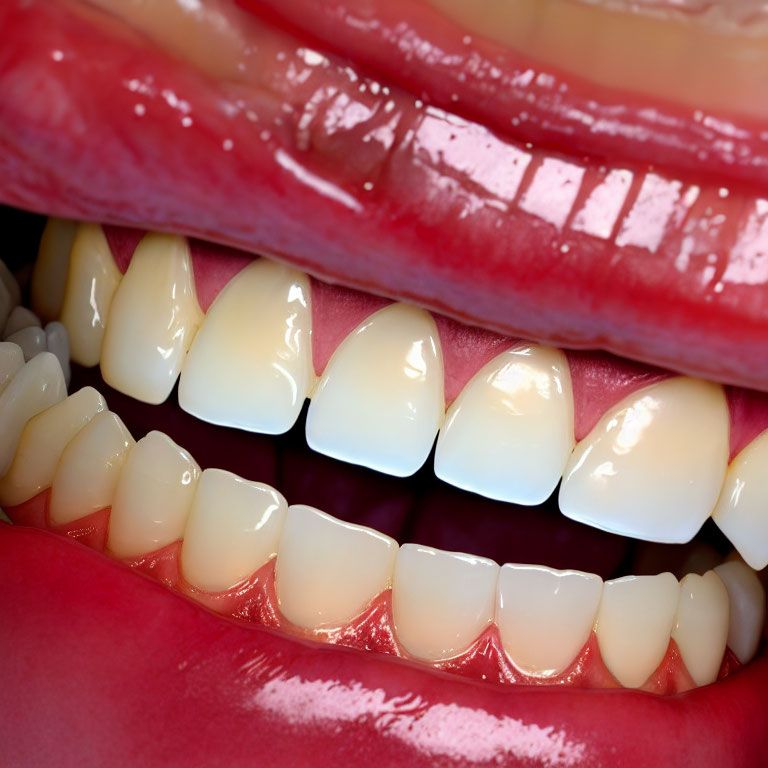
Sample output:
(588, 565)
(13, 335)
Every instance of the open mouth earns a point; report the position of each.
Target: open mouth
(509, 304)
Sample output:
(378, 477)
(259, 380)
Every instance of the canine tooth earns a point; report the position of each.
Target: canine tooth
(57, 341)
(49, 277)
(233, 529)
(441, 601)
(42, 443)
(509, 434)
(653, 466)
(328, 571)
(20, 318)
(91, 285)
(380, 399)
(634, 624)
(153, 497)
(545, 616)
(10, 283)
(153, 318)
(747, 608)
(37, 386)
(30, 340)
(742, 509)
(89, 468)
(11, 362)
(250, 365)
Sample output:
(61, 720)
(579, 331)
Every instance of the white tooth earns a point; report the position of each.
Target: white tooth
(43, 441)
(49, 277)
(57, 341)
(441, 601)
(11, 284)
(20, 318)
(545, 616)
(30, 340)
(250, 365)
(747, 608)
(153, 318)
(153, 497)
(89, 468)
(328, 571)
(91, 285)
(11, 362)
(701, 625)
(653, 466)
(742, 510)
(509, 434)
(233, 529)
(37, 386)
(380, 400)
(634, 625)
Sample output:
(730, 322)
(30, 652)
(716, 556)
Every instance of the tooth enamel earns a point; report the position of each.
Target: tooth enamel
(153, 318)
(57, 341)
(634, 624)
(328, 571)
(701, 625)
(250, 365)
(545, 616)
(441, 601)
(37, 386)
(747, 608)
(11, 284)
(509, 434)
(11, 362)
(30, 340)
(153, 497)
(49, 277)
(654, 465)
(91, 284)
(20, 318)
(742, 509)
(233, 529)
(380, 400)
(89, 468)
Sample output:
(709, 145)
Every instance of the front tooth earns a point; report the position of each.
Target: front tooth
(441, 601)
(654, 465)
(328, 571)
(37, 386)
(11, 362)
(509, 434)
(49, 277)
(89, 468)
(30, 340)
(57, 341)
(153, 497)
(742, 510)
(11, 284)
(747, 608)
(153, 318)
(42, 443)
(701, 625)
(233, 529)
(20, 318)
(634, 625)
(380, 400)
(91, 285)
(250, 365)
(545, 616)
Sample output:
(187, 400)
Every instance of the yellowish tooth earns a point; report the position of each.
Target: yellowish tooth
(57, 341)
(91, 285)
(153, 497)
(250, 365)
(20, 318)
(11, 284)
(43, 441)
(153, 318)
(11, 362)
(31, 341)
(88, 470)
(49, 277)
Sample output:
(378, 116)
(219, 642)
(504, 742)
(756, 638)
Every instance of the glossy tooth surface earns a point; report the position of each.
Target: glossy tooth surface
(441, 601)
(653, 466)
(57, 341)
(49, 277)
(747, 608)
(37, 386)
(153, 318)
(11, 362)
(153, 497)
(20, 318)
(634, 625)
(742, 509)
(42, 443)
(91, 285)
(250, 365)
(328, 571)
(31, 341)
(233, 529)
(11, 284)
(89, 468)
(545, 616)
(509, 433)
(380, 400)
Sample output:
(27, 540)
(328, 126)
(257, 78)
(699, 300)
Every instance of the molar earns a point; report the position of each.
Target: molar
(20, 318)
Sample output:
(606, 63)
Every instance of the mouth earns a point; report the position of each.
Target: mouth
(420, 290)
